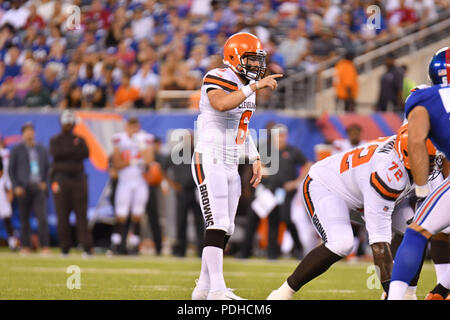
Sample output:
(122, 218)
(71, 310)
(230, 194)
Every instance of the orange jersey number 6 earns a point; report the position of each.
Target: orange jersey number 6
(243, 126)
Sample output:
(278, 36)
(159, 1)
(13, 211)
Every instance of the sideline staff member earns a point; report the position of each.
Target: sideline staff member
(69, 183)
(28, 171)
(286, 179)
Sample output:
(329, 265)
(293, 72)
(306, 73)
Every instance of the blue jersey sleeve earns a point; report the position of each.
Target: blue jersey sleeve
(436, 100)
(416, 98)
(428, 98)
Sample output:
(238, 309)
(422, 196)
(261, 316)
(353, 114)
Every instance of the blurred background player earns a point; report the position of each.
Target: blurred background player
(132, 153)
(226, 105)
(69, 183)
(425, 109)
(28, 170)
(6, 197)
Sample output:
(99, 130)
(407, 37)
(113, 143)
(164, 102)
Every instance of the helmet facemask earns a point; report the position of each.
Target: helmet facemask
(249, 69)
(436, 163)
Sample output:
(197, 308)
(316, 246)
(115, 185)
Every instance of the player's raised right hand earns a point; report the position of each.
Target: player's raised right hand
(269, 81)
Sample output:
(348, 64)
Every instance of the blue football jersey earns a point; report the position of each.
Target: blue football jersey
(436, 100)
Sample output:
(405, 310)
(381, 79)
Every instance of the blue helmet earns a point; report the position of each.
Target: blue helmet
(439, 68)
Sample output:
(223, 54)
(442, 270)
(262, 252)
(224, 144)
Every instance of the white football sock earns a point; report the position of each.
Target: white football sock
(286, 289)
(441, 269)
(445, 279)
(203, 280)
(116, 238)
(12, 242)
(397, 290)
(134, 240)
(214, 262)
(410, 293)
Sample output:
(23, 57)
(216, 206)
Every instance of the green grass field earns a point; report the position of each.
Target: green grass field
(160, 278)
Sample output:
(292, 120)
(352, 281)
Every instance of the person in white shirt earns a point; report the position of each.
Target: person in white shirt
(16, 16)
(147, 82)
(426, 10)
(332, 13)
(293, 48)
(142, 24)
(145, 78)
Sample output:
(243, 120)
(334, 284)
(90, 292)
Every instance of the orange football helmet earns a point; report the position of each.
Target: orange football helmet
(239, 50)
(401, 147)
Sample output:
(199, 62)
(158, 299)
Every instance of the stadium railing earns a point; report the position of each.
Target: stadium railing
(166, 99)
(298, 91)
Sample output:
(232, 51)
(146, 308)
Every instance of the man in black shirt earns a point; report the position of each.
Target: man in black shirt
(285, 182)
(69, 183)
(152, 203)
(391, 87)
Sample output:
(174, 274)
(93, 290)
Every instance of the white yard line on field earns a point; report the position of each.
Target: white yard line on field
(333, 291)
(128, 271)
(87, 270)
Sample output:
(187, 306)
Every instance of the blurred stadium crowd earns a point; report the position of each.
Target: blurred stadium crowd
(118, 54)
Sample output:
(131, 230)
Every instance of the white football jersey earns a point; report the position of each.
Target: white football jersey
(131, 150)
(223, 135)
(5, 184)
(4, 154)
(5, 205)
(371, 176)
